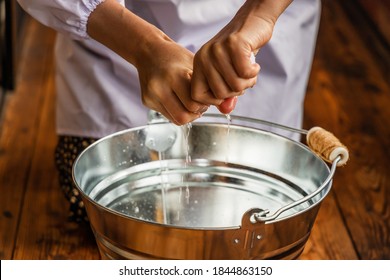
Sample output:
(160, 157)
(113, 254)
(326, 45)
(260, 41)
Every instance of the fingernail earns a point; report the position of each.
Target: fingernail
(235, 101)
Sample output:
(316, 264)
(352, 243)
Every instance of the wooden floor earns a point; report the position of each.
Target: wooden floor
(348, 94)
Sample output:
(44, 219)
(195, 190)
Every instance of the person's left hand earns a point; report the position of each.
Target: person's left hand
(223, 69)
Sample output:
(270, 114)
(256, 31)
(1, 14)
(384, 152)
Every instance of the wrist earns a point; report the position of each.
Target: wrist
(269, 10)
(147, 46)
(257, 19)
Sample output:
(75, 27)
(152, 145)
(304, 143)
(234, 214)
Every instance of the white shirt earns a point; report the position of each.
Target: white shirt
(98, 92)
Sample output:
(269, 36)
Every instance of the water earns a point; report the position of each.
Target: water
(164, 185)
(186, 133)
(218, 198)
(229, 121)
(160, 138)
(186, 130)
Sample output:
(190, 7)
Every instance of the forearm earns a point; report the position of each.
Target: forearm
(258, 18)
(122, 31)
(269, 10)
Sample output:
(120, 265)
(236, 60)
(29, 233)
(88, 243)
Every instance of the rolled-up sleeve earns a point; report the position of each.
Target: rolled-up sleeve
(66, 16)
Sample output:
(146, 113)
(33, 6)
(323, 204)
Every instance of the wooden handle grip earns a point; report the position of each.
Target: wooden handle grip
(326, 145)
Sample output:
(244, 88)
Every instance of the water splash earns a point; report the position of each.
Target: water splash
(186, 133)
(227, 148)
(163, 188)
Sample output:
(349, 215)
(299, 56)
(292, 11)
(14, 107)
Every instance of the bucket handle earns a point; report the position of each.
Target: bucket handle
(261, 216)
(321, 142)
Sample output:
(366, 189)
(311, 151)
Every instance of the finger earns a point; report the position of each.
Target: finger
(167, 103)
(155, 105)
(193, 106)
(228, 105)
(244, 64)
(178, 114)
(200, 89)
(160, 108)
(235, 83)
(218, 85)
(182, 88)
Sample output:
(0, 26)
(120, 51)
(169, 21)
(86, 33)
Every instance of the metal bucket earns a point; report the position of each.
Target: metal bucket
(213, 191)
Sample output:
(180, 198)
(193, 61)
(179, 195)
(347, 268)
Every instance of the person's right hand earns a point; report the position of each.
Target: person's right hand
(165, 72)
(164, 67)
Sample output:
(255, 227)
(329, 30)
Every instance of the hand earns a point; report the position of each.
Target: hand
(164, 67)
(222, 67)
(165, 71)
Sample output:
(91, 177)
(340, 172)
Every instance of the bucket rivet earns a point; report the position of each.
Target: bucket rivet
(236, 241)
(259, 237)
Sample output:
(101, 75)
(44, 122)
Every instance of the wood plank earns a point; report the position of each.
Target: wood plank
(349, 96)
(34, 212)
(329, 239)
(372, 33)
(44, 231)
(18, 133)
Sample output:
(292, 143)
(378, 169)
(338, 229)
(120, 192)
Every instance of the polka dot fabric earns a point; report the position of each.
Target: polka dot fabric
(67, 150)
